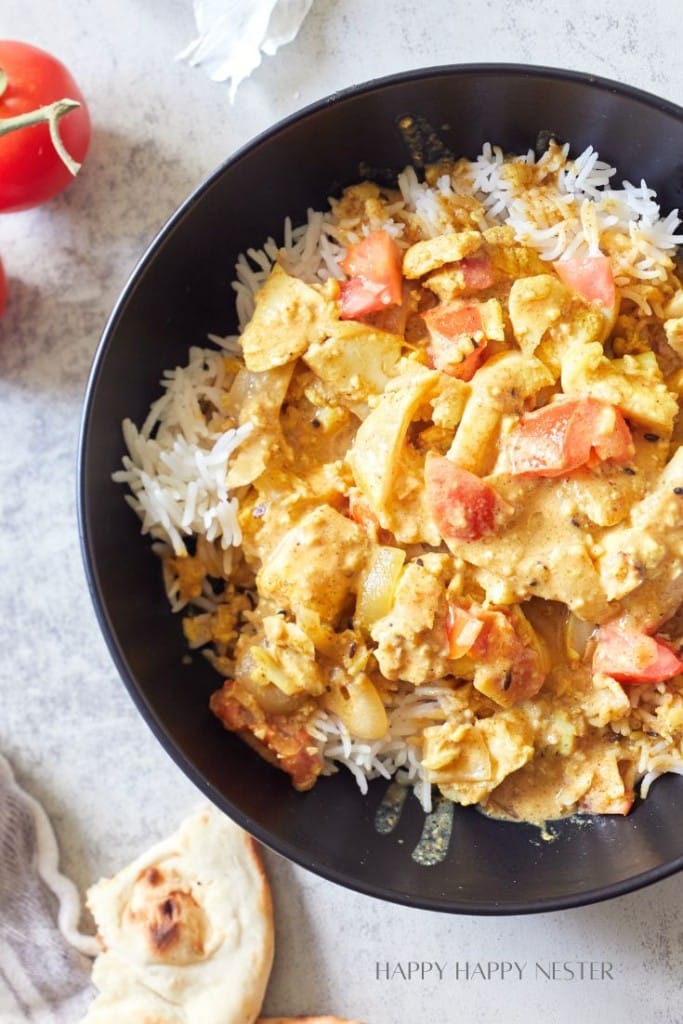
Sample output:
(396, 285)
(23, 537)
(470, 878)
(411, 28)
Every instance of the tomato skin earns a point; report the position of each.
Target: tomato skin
(633, 657)
(477, 271)
(31, 171)
(464, 507)
(375, 278)
(453, 328)
(561, 437)
(3, 290)
(590, 277)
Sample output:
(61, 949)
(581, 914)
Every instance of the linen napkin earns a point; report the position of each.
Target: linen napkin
(44, 966)
(233, 35)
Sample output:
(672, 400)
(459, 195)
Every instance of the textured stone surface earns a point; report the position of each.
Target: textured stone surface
(66, 722)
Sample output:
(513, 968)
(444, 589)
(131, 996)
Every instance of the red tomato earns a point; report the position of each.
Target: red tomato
(374, 268)
(564, 435)
(590, 277)
(509, 667)
(477, 271)
(463, 506)
(3, 289)
(453, 329)
(31, 170)
(630, 656)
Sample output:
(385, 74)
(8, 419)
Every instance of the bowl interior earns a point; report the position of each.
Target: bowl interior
(178, 294)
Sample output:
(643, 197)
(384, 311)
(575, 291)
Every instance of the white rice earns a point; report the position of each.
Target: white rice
(177, 464)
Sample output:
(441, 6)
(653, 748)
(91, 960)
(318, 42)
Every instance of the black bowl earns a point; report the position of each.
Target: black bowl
(177, 295)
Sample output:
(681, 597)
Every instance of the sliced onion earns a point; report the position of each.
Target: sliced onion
(577, 633)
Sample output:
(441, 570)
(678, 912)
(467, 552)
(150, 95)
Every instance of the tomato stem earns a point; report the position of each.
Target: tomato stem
(50, 115)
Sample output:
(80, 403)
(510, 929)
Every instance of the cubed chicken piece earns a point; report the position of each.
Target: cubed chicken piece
(432, 253)
(355, 361)
(411, 639)
(647, 552)
(508, 257)
(547, 318)
(289, 315)
(634, 383)
(467, 761)
(537, 304)
(287, 659)
(316, 564)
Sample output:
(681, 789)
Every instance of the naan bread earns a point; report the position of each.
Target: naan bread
(186, 930)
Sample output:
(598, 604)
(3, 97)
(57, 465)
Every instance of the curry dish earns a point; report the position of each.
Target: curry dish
(460, 492)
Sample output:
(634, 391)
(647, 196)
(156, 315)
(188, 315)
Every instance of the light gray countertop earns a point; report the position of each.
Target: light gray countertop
(66, 722)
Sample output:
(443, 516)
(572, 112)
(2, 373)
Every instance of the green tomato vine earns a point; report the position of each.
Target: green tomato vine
(50, 114)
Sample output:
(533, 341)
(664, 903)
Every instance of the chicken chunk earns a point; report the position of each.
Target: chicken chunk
(316, 564)
(356, 361)
(633, 383)
(433, 253)
(468, 761)
(411, 639)
(289, 315)
(644, 558)
(547, 318)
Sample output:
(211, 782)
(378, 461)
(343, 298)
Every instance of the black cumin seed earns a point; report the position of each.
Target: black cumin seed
(315, 423)
(353, 647)
(678, 490)
(505, 685)
(418, 561)
(651, 437)
(575, 521)
(629, 471)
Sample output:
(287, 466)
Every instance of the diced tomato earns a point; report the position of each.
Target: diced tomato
(477, 271)
(630, 656)
(565, 435)
(508, 660)
(590, 277)
(457, 340)
(464, 507)
(373, 266)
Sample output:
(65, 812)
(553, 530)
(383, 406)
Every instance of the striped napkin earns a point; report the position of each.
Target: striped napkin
(44, 965)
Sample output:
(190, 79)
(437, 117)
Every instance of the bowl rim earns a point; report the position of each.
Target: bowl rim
(285, 848)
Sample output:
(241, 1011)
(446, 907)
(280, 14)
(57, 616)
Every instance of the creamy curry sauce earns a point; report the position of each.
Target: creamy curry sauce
(475, 487)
